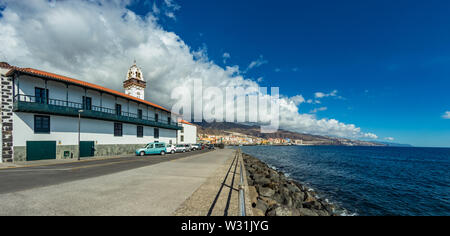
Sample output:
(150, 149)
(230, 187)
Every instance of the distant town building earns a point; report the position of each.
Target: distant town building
(299, 142)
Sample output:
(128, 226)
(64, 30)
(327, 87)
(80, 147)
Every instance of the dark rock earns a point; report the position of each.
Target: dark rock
(276, 195)
(307, 212)
(266, 192)
(313, 205)
(299, 196)
(261, 205)
(280, 211)
(288, 201)
(269, 201)
(278, 198)
(293, 188)
(309, 197)
(323, 213)
(261, 180)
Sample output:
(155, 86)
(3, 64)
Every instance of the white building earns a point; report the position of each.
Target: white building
(40, 110)
(188, 133)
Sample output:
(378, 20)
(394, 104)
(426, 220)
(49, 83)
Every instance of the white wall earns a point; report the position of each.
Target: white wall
(64, 130)
(190, 134)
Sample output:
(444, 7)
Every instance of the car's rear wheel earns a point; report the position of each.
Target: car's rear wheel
(142, 153)
(173, 152)
(163, 153)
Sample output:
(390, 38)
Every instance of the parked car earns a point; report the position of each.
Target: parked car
(171, 148)
(152, 148)
(211, 147)
(180, 148)
(189, 147)
(196, 147)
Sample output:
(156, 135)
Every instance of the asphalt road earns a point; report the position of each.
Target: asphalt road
(19, 179)
(133, 186)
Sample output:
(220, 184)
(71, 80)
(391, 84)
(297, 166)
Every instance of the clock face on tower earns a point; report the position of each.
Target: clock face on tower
(135, 84)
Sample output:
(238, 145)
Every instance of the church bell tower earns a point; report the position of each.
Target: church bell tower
(135, 84)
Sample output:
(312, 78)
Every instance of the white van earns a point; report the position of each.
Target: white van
(171, 148)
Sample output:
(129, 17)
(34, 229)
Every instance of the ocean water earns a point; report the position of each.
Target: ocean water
(368, 180)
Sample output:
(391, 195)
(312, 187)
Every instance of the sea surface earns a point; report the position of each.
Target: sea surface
(368, 180)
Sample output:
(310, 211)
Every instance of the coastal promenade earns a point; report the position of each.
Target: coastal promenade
(169, 187)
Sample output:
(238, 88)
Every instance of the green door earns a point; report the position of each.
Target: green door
(41, 150)
(87, 148)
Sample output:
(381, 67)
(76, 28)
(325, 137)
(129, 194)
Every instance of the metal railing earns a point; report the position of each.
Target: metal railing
(81, 106)
(241, 187)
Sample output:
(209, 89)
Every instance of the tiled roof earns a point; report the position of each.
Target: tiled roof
(185, 122)
(80, 83)
(5, 65)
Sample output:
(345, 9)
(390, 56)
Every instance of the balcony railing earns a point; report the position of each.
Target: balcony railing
(26, 103)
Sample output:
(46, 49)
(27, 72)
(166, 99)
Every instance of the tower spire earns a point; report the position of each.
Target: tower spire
(135, 84)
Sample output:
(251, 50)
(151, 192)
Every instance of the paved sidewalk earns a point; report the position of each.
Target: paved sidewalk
(152, 190)
(218, 195)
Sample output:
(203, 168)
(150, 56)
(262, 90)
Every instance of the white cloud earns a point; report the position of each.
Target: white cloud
(323, 95)
(299, 99)
(390, 139)
(98, 40)
(257, 63)
(155, 9)
(319, 109)
(170, 15)
(446, 115)
(225, 57)
(171, 4)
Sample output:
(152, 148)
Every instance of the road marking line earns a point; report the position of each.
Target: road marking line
(62, 163)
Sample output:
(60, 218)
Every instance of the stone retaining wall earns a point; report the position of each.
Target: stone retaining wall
(7, 118)
(20, 153)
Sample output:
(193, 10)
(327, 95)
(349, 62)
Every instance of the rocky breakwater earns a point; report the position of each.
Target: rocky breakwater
(273, 194)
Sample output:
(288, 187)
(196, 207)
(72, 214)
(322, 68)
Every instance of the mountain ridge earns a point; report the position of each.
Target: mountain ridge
(224, 128)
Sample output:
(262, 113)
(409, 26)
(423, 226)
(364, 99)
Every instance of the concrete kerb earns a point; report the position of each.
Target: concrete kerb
(248, 203)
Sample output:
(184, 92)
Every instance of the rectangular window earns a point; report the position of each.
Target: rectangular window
(118, 129)
(156, 118)
(42, 124)
(87, 103)
(182, 130)
(156, 135)
(41, 95)
(139, 114)
(140, 132)
(118, 109)
(182, 138)
(169, 120)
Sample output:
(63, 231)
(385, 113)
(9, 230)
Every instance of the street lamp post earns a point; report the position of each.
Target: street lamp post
(79, 133)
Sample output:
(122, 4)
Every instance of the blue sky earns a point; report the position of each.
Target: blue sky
(389, 60)
(381, 65)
